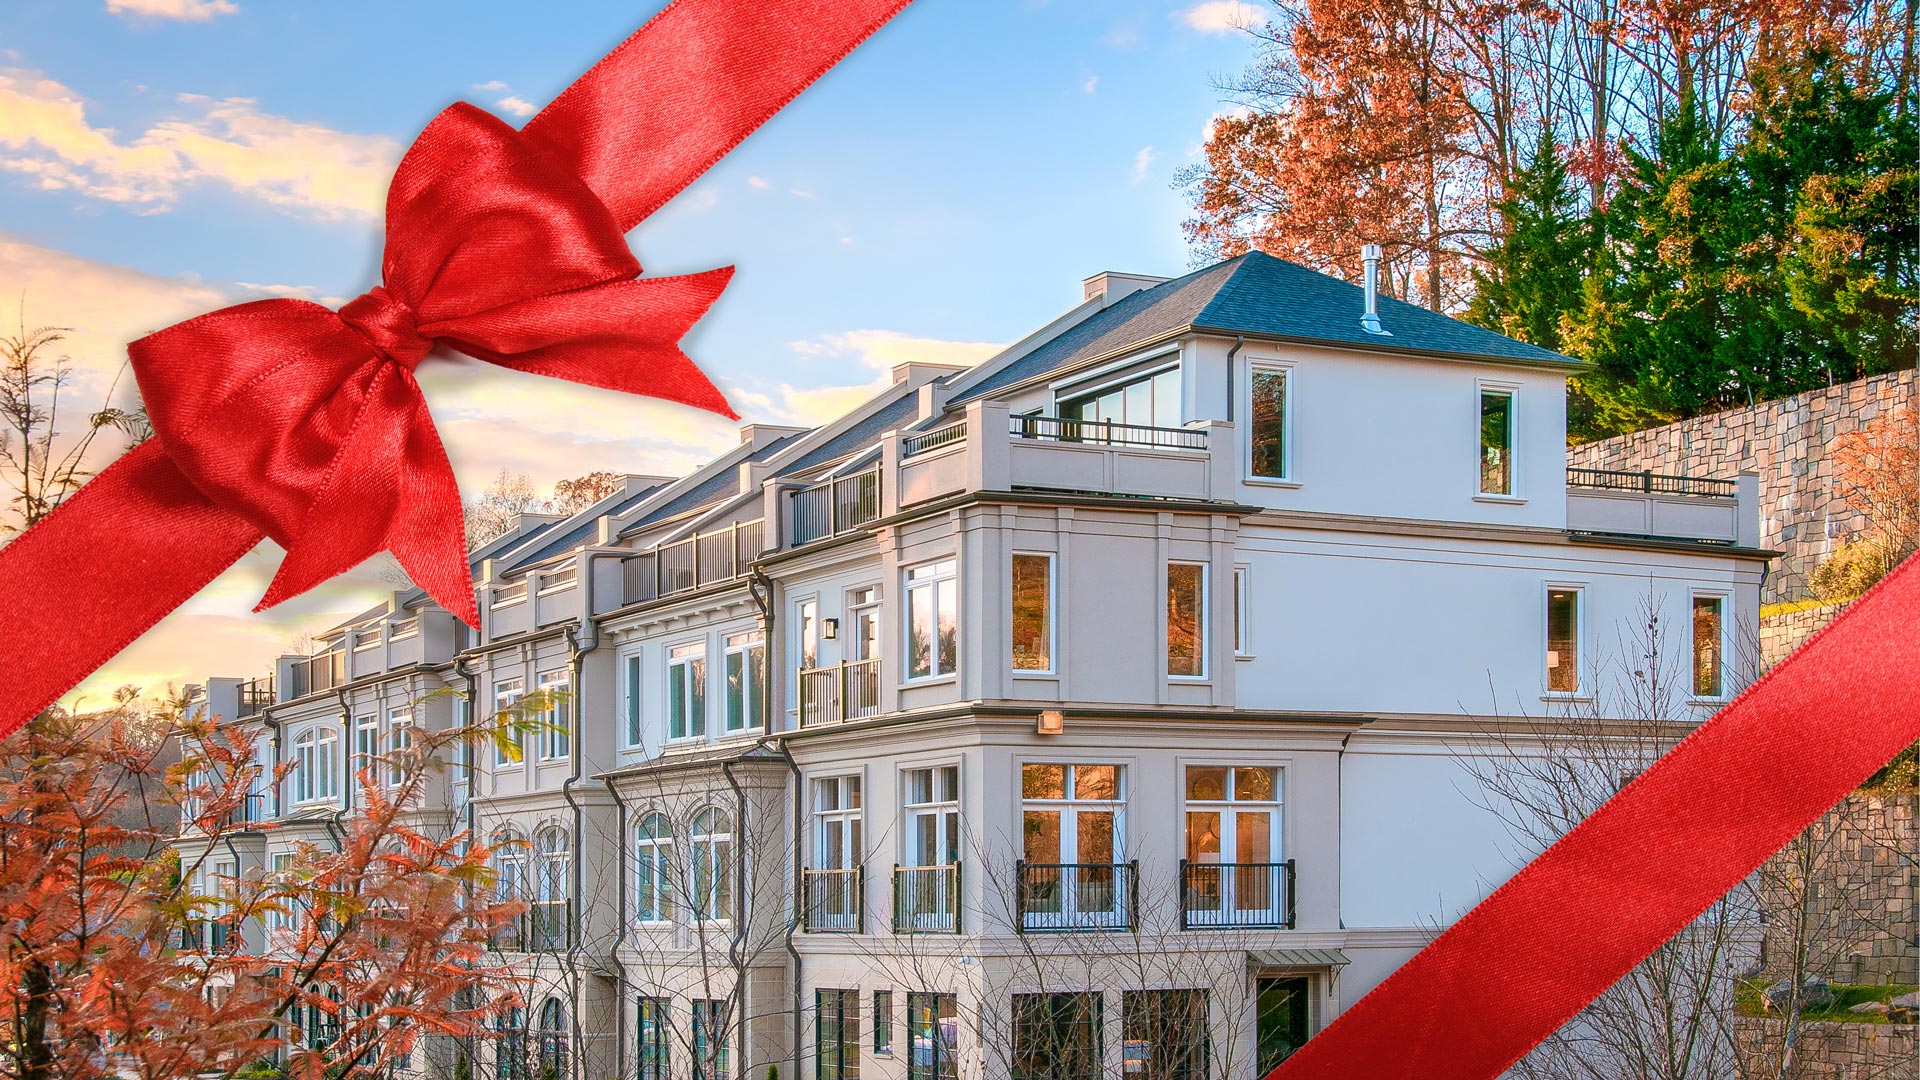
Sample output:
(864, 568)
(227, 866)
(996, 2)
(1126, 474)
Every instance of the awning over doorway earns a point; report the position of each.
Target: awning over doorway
(1297, 958)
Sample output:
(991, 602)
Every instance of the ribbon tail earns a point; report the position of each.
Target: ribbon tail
(130, 546)
(428, 535)
(687, 87)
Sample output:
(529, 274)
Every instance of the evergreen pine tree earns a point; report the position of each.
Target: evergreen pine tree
(1532, 277)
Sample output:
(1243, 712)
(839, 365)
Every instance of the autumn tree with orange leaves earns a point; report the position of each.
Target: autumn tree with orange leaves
(119, 952)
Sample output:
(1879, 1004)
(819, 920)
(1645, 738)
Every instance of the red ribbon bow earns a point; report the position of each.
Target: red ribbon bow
(309, 424)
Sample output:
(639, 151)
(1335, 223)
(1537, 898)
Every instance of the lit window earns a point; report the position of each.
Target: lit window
(1563, 641)
(687, 691)
(1267, 424)
(1033, 613)
(1071, 816)
(746, 680)
(1186, 620)
(1709, 628)
(1496, 442)
(933, 635)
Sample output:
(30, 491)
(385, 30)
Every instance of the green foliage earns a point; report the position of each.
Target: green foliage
(1750, 1000)
(462, 1068)
(1533, 276)
(773, 1072)
(1851, 569)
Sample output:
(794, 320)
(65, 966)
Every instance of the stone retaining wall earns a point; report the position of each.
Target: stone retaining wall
(1829, 1051)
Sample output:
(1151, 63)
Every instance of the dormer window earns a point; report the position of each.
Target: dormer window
(1151, 400)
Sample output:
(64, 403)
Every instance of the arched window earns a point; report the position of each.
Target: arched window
(652, 857)
(553, 1040)
(316, 770)
(712, 865)
(510, 1045)
(509, 884)
(552, 879)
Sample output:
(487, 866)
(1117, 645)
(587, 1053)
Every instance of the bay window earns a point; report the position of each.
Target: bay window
(933, 608)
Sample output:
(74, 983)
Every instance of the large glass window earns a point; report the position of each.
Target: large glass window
(1563, 641)
(836, 1034)
(1164, 1034)
(687, 691)
(1234, 875)
(1148, 401)
(933, 607)
(932, 814)
(1267, 424)
(1186, 620)
(712, 1044)
(746, 680)
(712, 839)
(553, 1038)
(1280, 1018)
(652, 869)
(556, 716)
(1033, 613)
(654, 1064)
(933, 1024)
(1071, 817)
(511, 742)
(1057, 1036)
(1496, 442)
(1709, 629)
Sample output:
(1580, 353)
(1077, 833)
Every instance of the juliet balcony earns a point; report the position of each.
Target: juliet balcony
(1647, 505)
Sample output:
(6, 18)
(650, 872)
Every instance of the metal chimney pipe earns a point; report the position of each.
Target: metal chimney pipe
(1370, 322)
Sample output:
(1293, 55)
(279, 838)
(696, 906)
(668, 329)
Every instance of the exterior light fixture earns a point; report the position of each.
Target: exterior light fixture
(1052, 722)
(829, 628)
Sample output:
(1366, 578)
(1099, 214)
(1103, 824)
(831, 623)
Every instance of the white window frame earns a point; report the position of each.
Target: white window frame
(653, 854)
(633, 717)
(556, 720)
(932, 583)
(1289, 464)
(287, 917)
(1481, 388)
(719, 851)
(316, 775)
(1070, 807)
(366, 741)
(1205, 619)
(841, 815)
(864, 602)
(1581, 691)
(806, 633)
(1053, 614)
(506, 694)
(947, 833)
(1726, 644)
(1243, 611)
(696, 651)
(399, 741)
(753, 715)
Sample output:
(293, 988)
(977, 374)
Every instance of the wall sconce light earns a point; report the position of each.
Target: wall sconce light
(829, 628)
(1052, 722)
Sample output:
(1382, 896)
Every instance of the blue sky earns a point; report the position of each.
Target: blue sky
(942, 190)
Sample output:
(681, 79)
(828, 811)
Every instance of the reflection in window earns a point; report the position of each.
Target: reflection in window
(1186, 620)
(933, 1025)
(1057, 1036)
(1164, 1034)
(1708, 644)
(1496, 442)
(1563, 640)
(1267, 423)
(933, 636)
(1032, 613)
(687, 691)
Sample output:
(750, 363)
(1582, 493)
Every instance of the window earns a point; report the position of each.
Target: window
(633, 732)
(509, 884)
(712, 1050)
(511, 741)
(1164, 1034)
(1071, 818)
(1709, 645)
(1148, 401)
(366, 741)
(836, 1034)
(288, 917)
(1267, 424)
(510, 1046)
(1496, 442)
(652, 869)
(1057, 1036)
(1033, 613)
(1280, 1018)
(933, 602)
(1186, 620)
(556, 715)
(712, 865)
(652, 1044)
(1242, 612)
(1234, 875)
(883, 1021)
(687, 691)
(399, 744)
(932, 812)
(553, 871)
(864, 604)
(933, 1025)
(553, 1038)
(746, 680)
(1563, 641)
(836, 823)
(807, 617)
(316, 776)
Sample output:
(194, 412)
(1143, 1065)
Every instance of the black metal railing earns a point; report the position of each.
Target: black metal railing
(1652, 483)
(832, 507)
(1107, 433)
(705, 558)
(320, 672)
(1236, 895)
(933, 440)
(253, 810)
(1076, 896)
(926, 899)
(211, 936)
(849, 691)
(833, 901)
(255, 696)
(549, 925)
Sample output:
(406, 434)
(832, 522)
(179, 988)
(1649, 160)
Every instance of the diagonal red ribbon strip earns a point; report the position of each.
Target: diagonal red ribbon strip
(1646, 863)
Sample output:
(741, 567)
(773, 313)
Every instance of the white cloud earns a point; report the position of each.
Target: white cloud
(303, 168)
(1093, 81)
(874, 352)
(800, 193)
(758, 182)
(1235, 112)
(1222, 16)
(517, 106)
(1142, 162)
(184, 10)
(494, 86)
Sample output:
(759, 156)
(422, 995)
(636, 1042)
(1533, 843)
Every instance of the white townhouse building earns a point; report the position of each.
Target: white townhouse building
(1102, 709)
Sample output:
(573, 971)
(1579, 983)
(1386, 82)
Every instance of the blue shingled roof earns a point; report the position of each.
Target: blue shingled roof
(586, 523)
(713, 489)
(1259, 294)
(866, 433)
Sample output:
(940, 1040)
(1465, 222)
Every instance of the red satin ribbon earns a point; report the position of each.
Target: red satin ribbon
(286, 420)
(1647, 862)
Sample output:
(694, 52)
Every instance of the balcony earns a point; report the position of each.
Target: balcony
(989, 450)
(693, 562)
(1655, 506)
(318, 673)
(832, 507)
(833, 901)
(849, 691)
(549, 925)
(1236, 896)
(926, 899)
(1076, 896)
(255, 696)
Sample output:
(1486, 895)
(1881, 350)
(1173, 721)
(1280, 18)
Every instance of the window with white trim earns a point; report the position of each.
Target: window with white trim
(632, 732)
(1032, 612)
(399, 744)
(933, 626)
(285, 916)
(1496, 441)
(552, 888)
(511, 742)
(1186, 620)
(366, 741)
(556, 718)
(746, 669)
(316, 765)
(1269, 427)
(931, 813)
(652, 869)
(712, 842)
(687, 691)
(1242, 611)
(1563, 639)
(1709, 645)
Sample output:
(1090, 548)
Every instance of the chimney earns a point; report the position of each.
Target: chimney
(1113, 285)
(1370, 322)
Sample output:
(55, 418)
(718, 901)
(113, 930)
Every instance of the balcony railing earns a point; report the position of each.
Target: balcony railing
(926, 899)
(849, 691)
(210, 937)
(319, 673)
(933, 440)
(549, 925)
(255, 696)
(1107, 433)
(1076, 896)
(1651, 483)
(706, 558)
(834, 901)
(1236, 895)
(835, 506)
